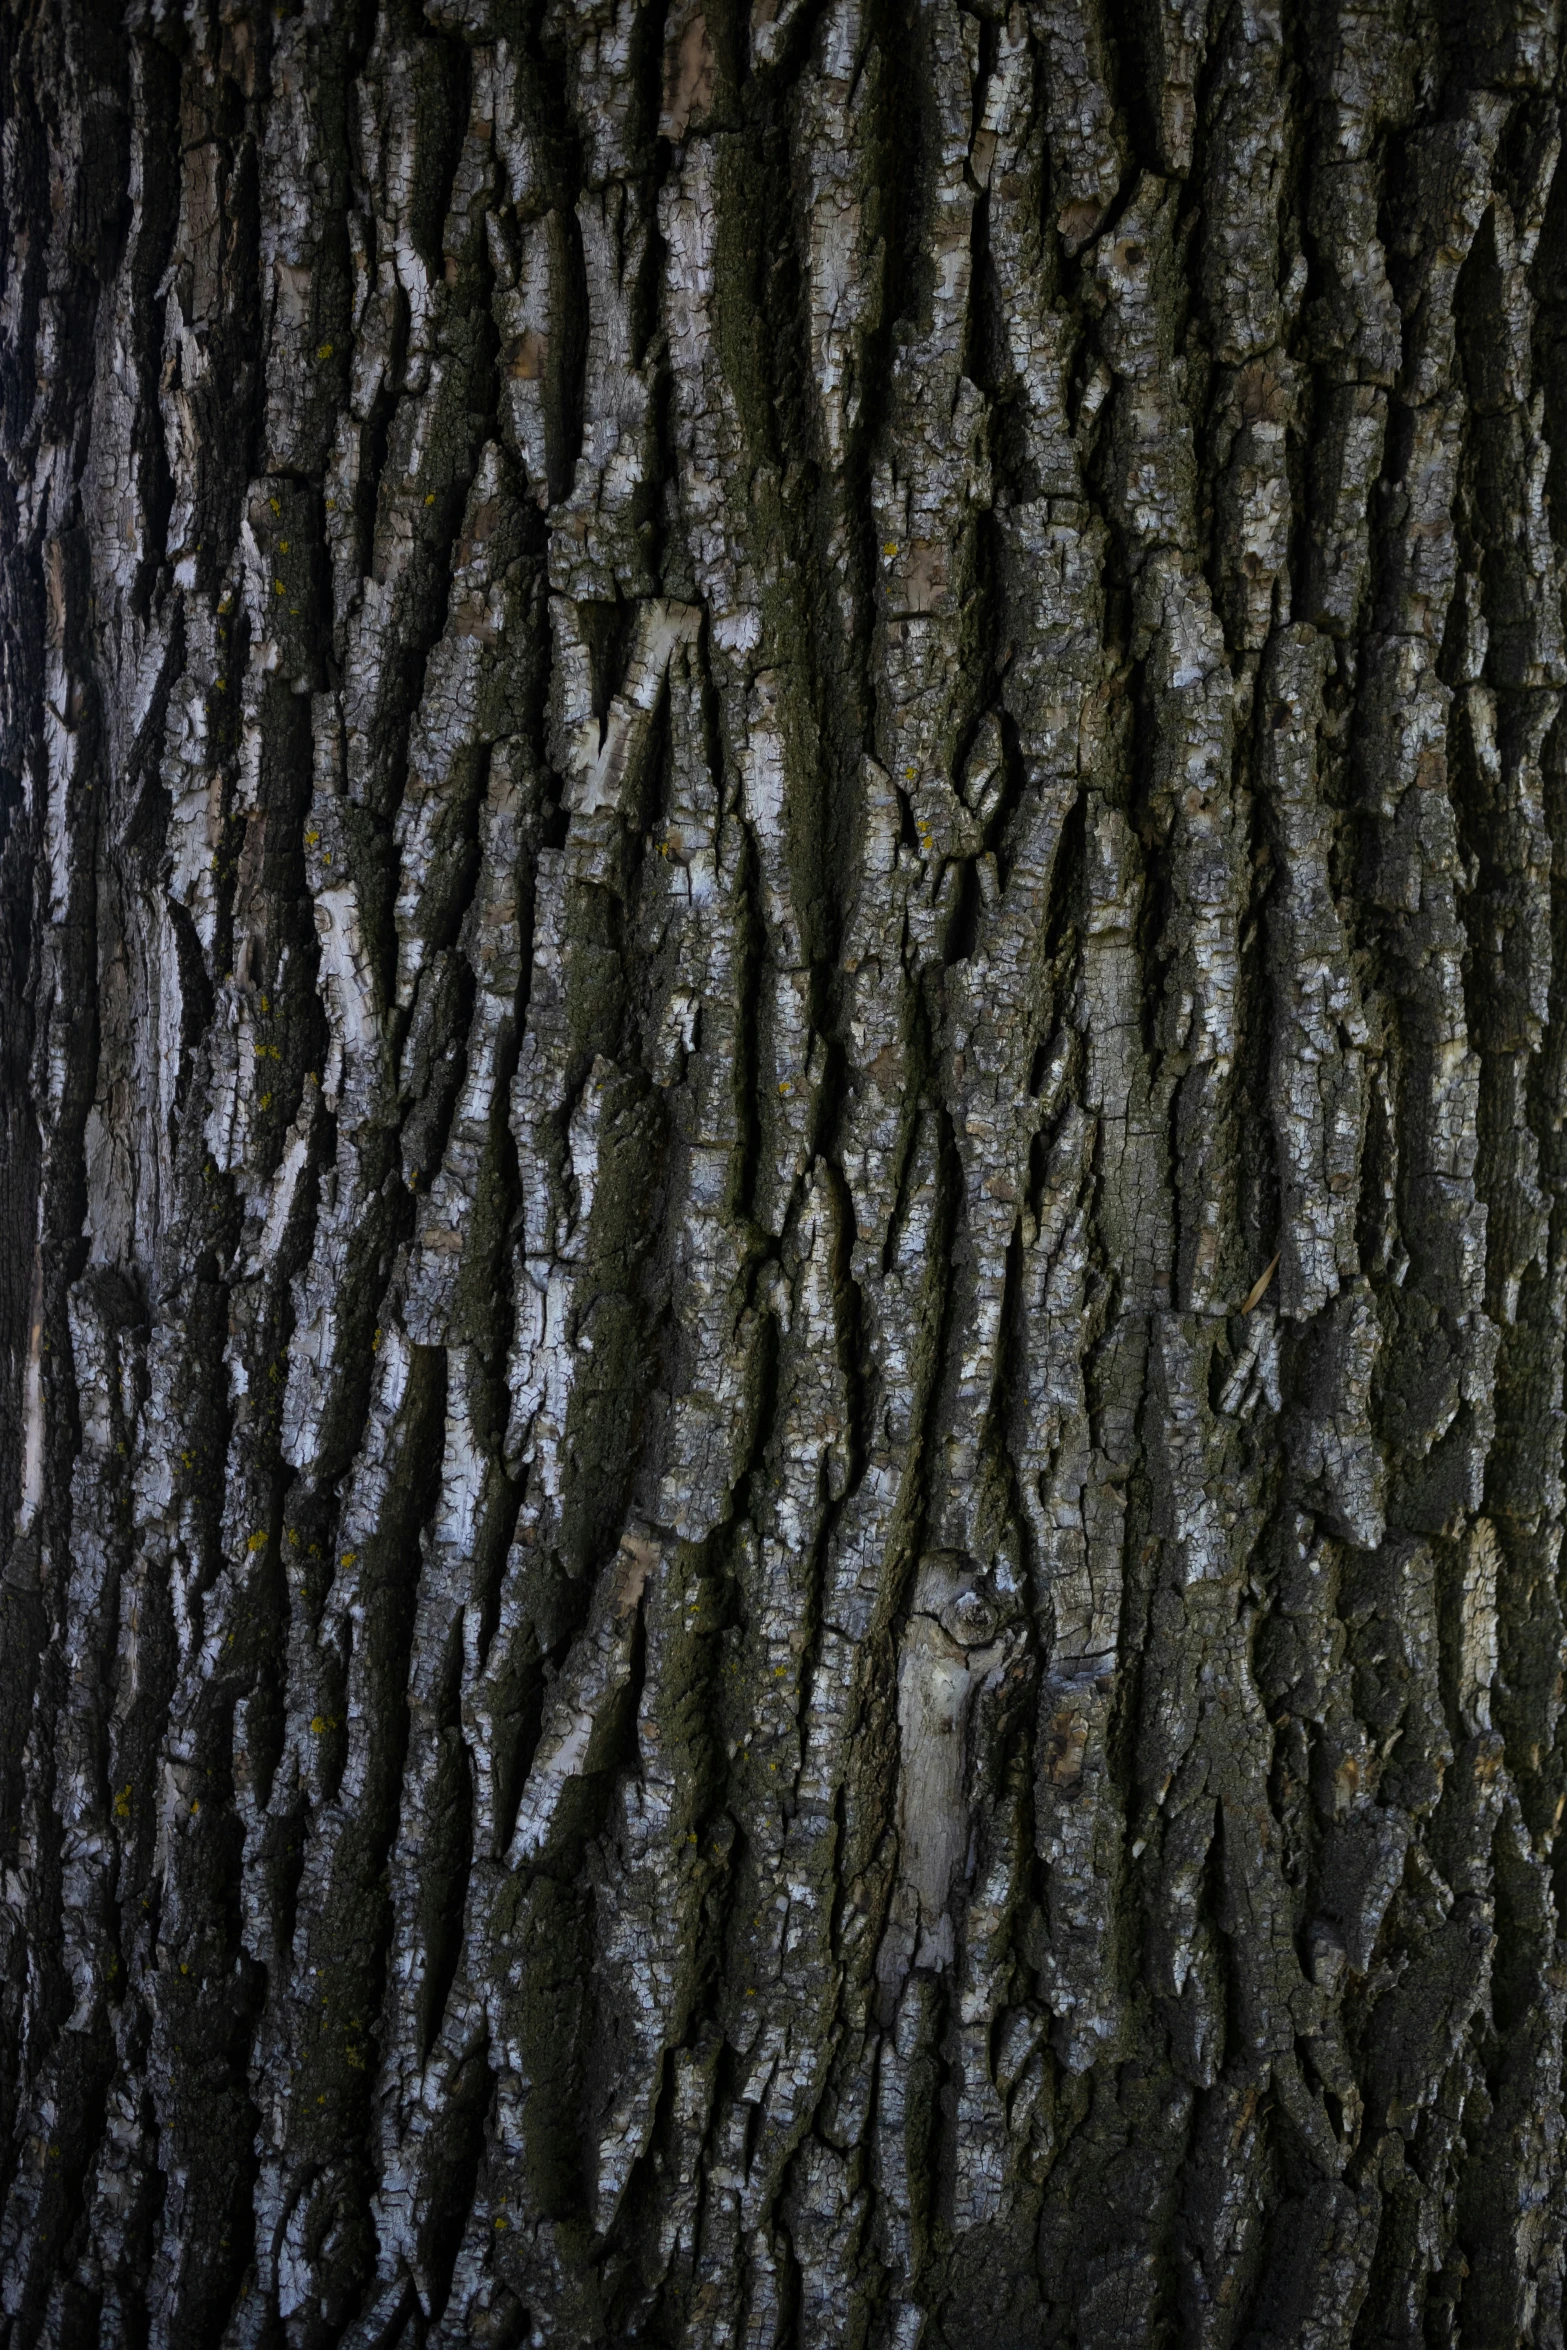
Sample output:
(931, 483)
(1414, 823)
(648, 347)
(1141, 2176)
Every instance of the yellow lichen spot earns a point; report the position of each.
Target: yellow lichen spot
(909, 773)
(318, 1725)
(324, 351)
(122, 1802)
(282, 546)
(266, 1003)
(257, 1541)
(266, 1101)
(375, 1343)
(276, 508)
(430, 498)
(278, 588)
(293, 1538)
(500, 2222)
(195, 1807)
(326, 857)
(331, 505)
(784, 1085)
(222, 685)
(348, 1558)
(311, 839)
(184, 1969)
(890, 549)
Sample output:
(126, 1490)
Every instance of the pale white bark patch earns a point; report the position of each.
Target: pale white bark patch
(33, 1403)
(604, 755)
(594, 1674)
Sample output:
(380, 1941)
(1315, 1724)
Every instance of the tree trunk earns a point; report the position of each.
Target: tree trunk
(782, 1170)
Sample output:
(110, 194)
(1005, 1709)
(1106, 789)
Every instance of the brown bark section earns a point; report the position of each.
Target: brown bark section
(781, 1174)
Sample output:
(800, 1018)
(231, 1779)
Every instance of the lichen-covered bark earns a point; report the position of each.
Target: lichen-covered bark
(783, 1212)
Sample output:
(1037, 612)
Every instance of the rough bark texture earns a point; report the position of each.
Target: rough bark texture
(737, 758)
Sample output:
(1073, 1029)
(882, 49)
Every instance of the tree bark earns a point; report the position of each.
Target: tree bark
(783, 966)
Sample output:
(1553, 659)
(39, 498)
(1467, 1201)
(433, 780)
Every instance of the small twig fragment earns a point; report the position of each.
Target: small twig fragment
(1259, 1288)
